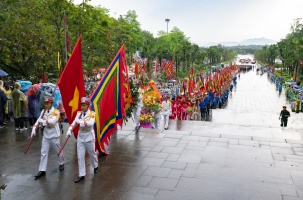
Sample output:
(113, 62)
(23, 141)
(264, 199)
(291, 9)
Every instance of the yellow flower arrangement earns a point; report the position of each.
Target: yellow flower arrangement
(146, 117)
(151, 102)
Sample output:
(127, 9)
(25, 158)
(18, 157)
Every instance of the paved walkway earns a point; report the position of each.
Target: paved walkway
(241, 154)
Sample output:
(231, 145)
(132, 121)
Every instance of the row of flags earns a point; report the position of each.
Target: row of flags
(140, 69)
(108, 99)
(212, 82)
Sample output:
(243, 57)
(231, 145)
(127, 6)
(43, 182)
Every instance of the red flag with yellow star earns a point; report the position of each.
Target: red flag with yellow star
(71, 85)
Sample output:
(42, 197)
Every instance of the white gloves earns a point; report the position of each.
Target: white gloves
(80, 122)
(77, 120)
(69, 132)
(33, 132)
(42, 121)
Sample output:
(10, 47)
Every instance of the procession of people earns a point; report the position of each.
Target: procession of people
(188, 99)
(39, 107)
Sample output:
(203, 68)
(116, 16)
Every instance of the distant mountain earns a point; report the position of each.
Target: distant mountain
(254, 41)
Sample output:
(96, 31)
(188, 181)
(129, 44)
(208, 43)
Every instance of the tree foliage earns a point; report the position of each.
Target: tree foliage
(288, 49)
(32, 34)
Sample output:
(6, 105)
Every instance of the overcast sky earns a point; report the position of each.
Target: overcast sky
(206, 21)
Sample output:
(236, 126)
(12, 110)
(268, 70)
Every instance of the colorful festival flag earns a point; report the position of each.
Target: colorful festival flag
(71, 85)
(43, 77)
(137, 70)
(108, 100)
(169, 69)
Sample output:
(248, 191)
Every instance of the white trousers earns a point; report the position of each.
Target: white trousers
(157, 123)
(81, 147)
(137, 113)
(166, 120)
(46, 143)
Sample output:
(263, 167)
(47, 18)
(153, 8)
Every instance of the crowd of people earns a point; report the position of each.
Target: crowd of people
(24, 104)
(40, 105)
(293, 91)
(179, 104)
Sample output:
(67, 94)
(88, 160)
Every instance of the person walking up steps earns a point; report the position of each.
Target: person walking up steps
(284, 114)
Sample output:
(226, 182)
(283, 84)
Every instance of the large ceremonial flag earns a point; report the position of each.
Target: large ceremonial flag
(108, 100)
(137, 70)
(169, 69)
(71, 84)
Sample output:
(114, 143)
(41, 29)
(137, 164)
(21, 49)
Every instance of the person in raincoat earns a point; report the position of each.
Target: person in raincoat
(280, 87)
(298, 104)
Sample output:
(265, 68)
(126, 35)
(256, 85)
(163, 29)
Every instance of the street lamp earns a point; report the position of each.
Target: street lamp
(167, 20)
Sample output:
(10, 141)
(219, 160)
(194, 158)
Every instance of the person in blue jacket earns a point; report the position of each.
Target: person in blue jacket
(215, 101)
(202, 106)
(231, 87)
(208, 101)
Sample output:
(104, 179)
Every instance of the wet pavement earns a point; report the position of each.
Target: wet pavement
(241, 154)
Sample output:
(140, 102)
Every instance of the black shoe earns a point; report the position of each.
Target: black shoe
(40, 174)
(166, 128)
(96, 170)
(61, 167)
(80, 178)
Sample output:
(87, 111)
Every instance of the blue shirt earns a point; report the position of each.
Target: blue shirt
(216, 100)
(202, 105)
(207, 100)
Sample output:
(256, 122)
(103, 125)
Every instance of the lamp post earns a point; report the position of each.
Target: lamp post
(167, 20)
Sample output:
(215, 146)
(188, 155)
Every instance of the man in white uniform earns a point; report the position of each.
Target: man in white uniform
(166, 111)
(157, 120)
(86, 137)
(137, 110)
(51, 135)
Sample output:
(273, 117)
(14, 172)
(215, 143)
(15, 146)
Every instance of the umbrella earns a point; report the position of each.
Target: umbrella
(33, 89)
(3, 73)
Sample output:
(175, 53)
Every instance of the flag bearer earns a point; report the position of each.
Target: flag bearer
(51, 134)
(166, 111)
(86, 138)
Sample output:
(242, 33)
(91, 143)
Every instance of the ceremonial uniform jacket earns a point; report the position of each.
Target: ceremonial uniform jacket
(86, 121)
(166, 108)
(140, 103)
(51, 126)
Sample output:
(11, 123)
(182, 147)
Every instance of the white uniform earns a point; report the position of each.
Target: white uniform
(137, 110)
(51, 135)
(86, 139)
(157, 120)
(166, 111)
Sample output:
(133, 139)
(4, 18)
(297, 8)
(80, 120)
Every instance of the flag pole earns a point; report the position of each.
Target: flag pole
(65, 37)
(37, 127)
